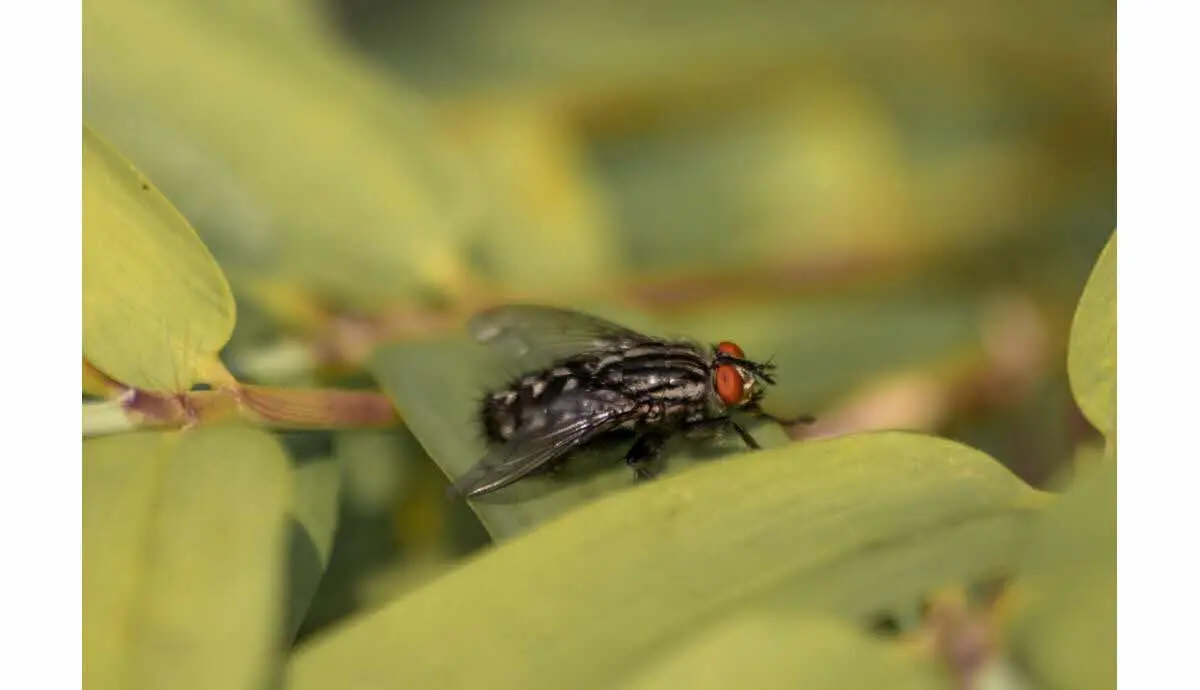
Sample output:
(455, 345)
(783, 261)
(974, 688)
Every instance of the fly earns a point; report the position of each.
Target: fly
(588, 380)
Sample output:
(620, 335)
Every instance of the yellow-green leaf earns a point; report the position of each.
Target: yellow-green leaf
(378, 470)
(184, 548)
(765, 652)
(313, 524)
(1092, 359)
(154, 301)
(1065, 630)
(848, 526)
(296, 160)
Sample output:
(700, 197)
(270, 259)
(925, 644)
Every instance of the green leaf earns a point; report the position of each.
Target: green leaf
(184, 537)
(436, 386)
(313, 525)
(847, 526)
(1092, 358)
(295, 159)
(154, 301)
(764, 652)
(378, 471)
(1065, 631)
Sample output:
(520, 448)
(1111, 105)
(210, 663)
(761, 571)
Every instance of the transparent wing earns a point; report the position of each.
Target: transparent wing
(527, 452)
(536, 335)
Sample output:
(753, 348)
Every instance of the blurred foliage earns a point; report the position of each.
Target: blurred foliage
(900, 203)
(277, 153)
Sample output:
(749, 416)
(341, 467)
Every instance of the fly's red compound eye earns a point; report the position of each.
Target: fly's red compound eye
(727, 348)
(731, 387)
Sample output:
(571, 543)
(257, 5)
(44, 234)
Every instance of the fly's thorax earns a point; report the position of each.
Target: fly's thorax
(672, 381)
(665, 371)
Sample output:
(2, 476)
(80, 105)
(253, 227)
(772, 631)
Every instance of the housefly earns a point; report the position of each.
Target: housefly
(588, 380)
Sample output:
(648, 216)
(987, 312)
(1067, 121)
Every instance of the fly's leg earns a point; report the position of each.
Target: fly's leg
(727, 422)
(793, 421)
(746, 437)
(643, 453)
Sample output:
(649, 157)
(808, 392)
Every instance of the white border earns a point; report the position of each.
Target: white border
(41, 54)
(1158, 260)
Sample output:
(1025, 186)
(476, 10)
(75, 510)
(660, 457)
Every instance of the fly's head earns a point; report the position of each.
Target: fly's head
(739, 382)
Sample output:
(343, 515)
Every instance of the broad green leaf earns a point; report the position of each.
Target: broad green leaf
(295, 159)
(848, 526)
(765, 652)
(437, 386)
(154, 301)
(313, 525)
(184, 550)
(1092, 358)
(377, 469)
(1065, 631)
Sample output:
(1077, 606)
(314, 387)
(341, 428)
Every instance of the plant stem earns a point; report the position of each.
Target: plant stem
(106, 418)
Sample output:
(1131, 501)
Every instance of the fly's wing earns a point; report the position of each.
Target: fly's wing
(535, 335)
(590, 417)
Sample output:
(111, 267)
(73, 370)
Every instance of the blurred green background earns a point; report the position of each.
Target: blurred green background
(900, 202)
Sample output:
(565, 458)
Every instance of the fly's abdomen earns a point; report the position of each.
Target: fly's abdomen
(526, 403)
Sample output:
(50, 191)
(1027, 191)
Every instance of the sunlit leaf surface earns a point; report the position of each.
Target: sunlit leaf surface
(1092, 361)
(1066, 627)
(154, 301)
(184, 552)
(847, 526)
